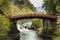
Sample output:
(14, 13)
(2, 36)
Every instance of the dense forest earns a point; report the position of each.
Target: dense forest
(21, 7)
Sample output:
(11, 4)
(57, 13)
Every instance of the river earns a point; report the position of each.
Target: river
(27, 34)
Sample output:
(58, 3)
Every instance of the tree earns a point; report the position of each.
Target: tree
(37, 23)
(58, 6)
(51, 6)
(25, 3)
(4, 27)
(4, 6)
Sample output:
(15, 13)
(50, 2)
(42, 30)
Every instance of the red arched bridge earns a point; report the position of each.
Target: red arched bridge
(46, 20)
(25, 16)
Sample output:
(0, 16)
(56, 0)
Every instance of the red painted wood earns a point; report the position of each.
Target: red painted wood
(32, 15)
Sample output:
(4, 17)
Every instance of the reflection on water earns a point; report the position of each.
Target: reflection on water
(27, 34)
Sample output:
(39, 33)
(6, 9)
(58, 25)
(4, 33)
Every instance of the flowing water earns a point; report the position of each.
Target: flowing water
(27, 34)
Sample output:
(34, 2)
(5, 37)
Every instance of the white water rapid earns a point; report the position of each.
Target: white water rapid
(27, 34)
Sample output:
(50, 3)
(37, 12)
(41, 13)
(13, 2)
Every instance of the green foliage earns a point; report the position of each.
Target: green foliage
(4, 26)
(28, 4)
(58, 6)
(25, 4)
(9, 9)
(37, 23)
(14, 10)
(57, 32)
(58, 21)
(1, 2)
(58, 9)
(52, 6)
(4, 6)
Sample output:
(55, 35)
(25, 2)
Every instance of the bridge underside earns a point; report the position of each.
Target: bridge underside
(32, 18)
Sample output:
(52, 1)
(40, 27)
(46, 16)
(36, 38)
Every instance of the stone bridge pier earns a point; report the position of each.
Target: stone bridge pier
(14, 33)
(49, 26)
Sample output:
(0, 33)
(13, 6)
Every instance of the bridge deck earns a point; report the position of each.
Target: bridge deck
(42, 16)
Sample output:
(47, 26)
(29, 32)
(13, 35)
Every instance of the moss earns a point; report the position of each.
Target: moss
(57, 38)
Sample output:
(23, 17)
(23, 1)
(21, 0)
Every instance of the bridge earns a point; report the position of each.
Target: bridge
(35, 15)
(45, 18)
